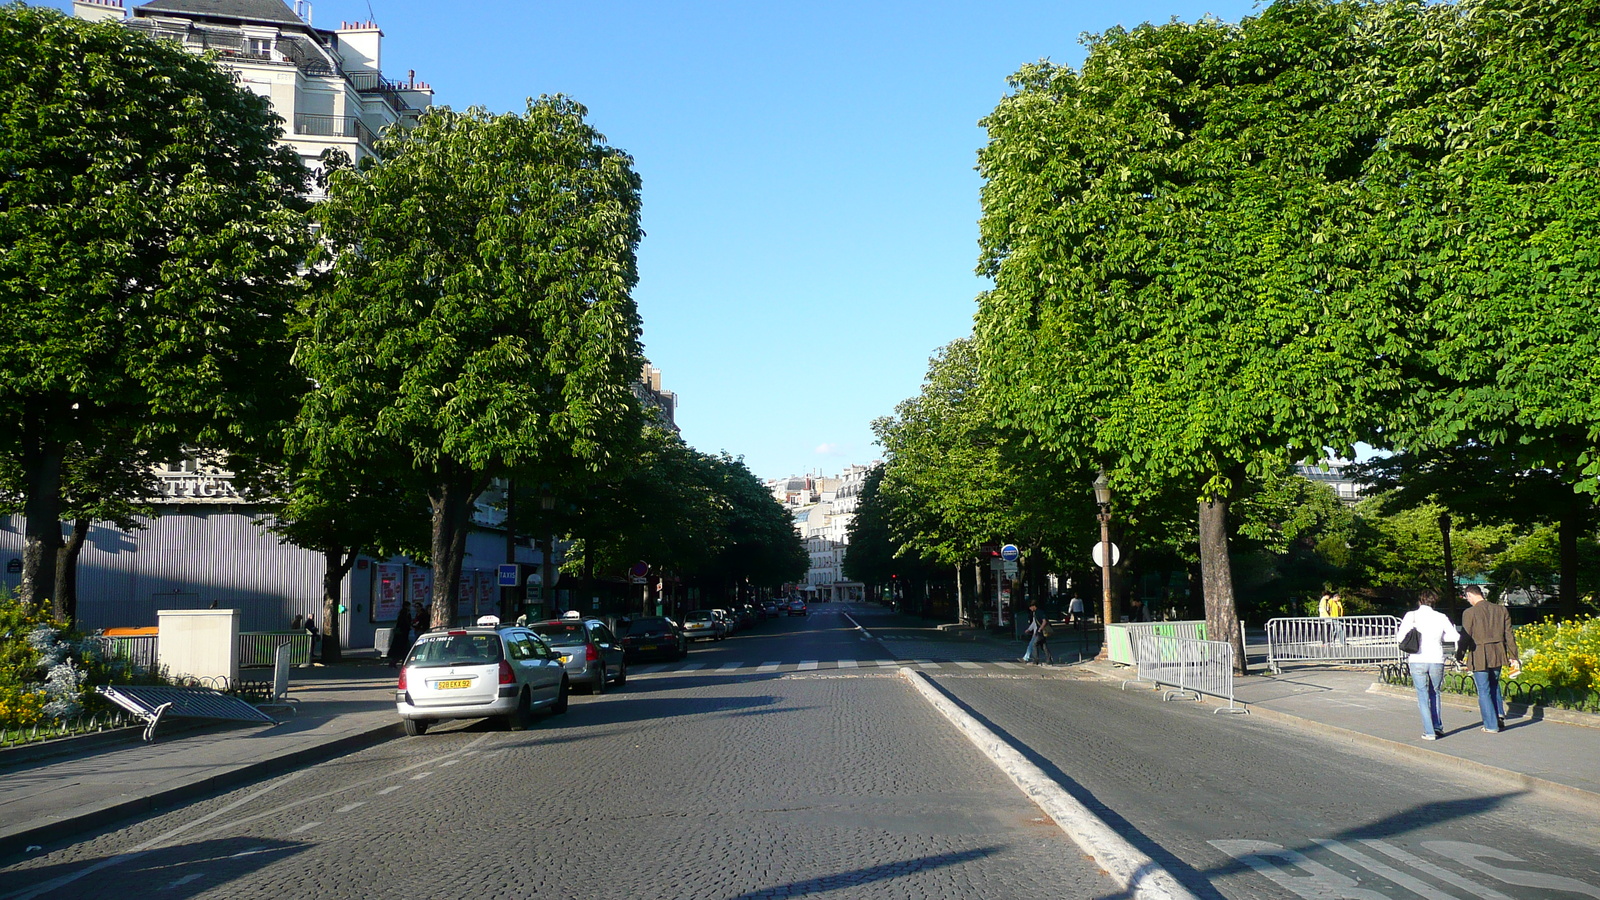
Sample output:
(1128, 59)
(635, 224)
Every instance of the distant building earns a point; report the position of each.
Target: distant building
(1337, 474)
(665, 403)
(822, 509)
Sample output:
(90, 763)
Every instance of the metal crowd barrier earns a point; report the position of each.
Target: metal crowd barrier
(259, 649)
(1349, 640)
(1122, 637)
(138, 650)
(1187, 667)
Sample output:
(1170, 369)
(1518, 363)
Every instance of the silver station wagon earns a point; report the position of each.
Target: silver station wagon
(484, 671)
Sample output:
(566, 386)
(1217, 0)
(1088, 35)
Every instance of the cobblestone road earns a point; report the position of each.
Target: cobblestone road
(837, 784)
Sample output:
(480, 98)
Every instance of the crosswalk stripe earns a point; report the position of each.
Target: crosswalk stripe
(806, 665)
(883, 663)
(928, 664)
(728, 667)
(968, 665)
(769, 666)
(1009, 665)
(690, 667)
(846, 664)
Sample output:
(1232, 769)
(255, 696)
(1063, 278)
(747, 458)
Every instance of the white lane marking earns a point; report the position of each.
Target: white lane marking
(1132, 870)
(449, 762)
(968, 665)
(141, 849)
(420, 775)
(729, 667)
(1434, 870)
(306, 827)
(349, 806)
(806, 665)
(253, 851)
(885, 663)
(1318, 883)
(928, 664)
(1379, 867)
(846, 664)
(1009, 665)
(650, 670)
(183, 881)
(770, 666)
(690, 667)
(390, 789)
(1473, 855)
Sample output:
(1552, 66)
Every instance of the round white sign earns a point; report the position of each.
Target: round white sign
(1098, 554)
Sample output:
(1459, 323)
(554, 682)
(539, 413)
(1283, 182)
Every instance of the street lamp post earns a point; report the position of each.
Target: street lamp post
(547, 504)
(1102, 499)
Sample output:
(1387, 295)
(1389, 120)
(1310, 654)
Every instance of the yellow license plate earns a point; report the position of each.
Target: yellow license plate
(454, 685)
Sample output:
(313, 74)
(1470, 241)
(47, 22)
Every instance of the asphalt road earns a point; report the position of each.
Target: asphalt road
(699, 783)
(1241, 806)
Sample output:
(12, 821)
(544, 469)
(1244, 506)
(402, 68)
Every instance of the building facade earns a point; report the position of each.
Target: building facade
(822, 508)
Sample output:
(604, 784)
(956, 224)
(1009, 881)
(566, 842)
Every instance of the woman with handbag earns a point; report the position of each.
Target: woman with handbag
(1421, 635)
(1492, 644)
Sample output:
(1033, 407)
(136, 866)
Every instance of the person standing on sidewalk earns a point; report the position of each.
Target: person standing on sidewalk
(1075, 610)
(1041, 637)
(1427, 663)
(400, 637)
(1494, 644)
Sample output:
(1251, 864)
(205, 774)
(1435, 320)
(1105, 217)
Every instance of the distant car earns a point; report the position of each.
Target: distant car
(770, 608)
(593, 655)
(656, 636)
(703, 625)
(729, 623)
(798, 608)
(745, 615)
(489, 671)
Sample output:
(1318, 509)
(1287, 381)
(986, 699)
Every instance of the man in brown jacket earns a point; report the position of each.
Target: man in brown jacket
(1494, 644)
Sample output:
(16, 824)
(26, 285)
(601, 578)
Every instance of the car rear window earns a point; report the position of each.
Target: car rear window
(639, 626)
(455, 650)
(700, 615)
(561, 634)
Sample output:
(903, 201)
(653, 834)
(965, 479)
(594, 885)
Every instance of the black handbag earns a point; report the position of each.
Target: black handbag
(1464, 645)
(1411, 641)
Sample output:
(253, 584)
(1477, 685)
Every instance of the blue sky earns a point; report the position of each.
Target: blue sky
(810, 204)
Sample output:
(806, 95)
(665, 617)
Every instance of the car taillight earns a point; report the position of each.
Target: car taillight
(590, 654)
(402, 685)
(506, 675)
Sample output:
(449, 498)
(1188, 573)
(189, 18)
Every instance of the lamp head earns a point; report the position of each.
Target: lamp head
(1102, 489)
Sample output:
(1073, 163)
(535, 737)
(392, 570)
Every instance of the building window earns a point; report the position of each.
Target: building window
(259, 46)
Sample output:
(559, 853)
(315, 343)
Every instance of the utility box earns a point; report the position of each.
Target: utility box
(201, 644)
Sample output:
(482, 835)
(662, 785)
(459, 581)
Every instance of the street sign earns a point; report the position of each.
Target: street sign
(1098, 554)
(1008, 568)
(510, 576)
(1009, 553)
(640, 569)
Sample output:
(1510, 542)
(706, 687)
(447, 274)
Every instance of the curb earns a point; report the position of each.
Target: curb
(1132, 870)
(16, 843)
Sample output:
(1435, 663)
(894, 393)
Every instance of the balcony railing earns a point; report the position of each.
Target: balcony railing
(333, 126)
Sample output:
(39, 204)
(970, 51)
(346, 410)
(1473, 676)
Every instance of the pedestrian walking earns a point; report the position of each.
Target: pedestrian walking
(298, 623)
(1322, 605)
(316, 637)
(1075, 610)
(400, 637)
(1041, 634)
(1433, 628)
(1493, 645)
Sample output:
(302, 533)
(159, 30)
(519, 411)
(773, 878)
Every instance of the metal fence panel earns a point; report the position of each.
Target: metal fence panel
(1348, 640)
(1188, 667)
(138, 650)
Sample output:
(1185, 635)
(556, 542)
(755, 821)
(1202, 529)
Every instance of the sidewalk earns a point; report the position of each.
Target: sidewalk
(46, 798)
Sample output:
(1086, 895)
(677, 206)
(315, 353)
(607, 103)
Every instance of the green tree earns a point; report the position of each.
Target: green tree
(150, 228)
(476, 310)
(1173, 299)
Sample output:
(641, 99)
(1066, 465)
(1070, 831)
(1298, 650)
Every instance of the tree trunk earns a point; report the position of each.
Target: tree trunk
(1216, 573)
(450, 504)
(41, 471)
(337, 565)
(66, 589)
(1449, 592)
(1567, 548)
(961, 598)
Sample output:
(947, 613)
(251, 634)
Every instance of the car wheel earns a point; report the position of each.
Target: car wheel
(560, 706)
(522, 716)
(416, 727)
(622, 674)
(599, 686)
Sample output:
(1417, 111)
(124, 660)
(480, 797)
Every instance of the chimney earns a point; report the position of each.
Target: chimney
(98, 10)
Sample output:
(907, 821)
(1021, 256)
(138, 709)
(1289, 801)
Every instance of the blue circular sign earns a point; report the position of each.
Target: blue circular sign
(1009, 553)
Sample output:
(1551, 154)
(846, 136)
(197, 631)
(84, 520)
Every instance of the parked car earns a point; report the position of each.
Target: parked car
(593, 656)
(771, 608)
(703, 625)
(487, 671)
(729, 623)
(798, 608)
(656, 636)
(745, 615)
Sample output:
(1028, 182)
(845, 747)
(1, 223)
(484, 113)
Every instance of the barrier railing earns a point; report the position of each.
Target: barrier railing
(1121, 637)
(1348, 640)
(1187, 667)
(138, 650)
(259, 648)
